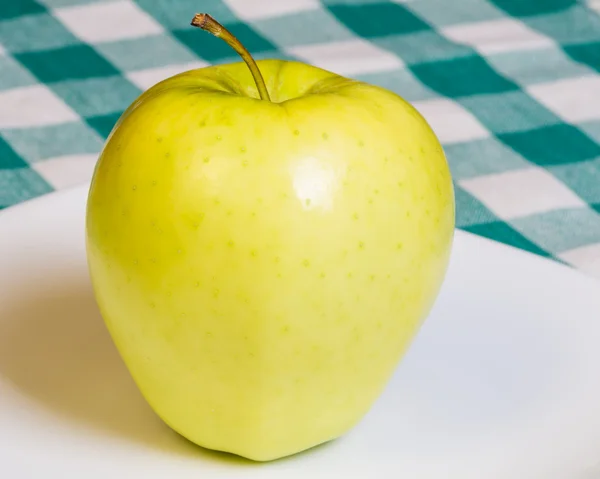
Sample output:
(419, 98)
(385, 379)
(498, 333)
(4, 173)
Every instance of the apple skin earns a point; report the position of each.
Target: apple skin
(262, 267)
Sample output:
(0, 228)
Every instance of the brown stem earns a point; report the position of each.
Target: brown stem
(209, 24)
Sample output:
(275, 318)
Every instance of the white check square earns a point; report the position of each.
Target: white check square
(67, 171)
(594, 5)
(108, 21)
(573, 99)
(350, 57)
(450, 121)
(585, 258)
(259, 9)
(30, 106)
(496, 36)
(520, 193)
(147, 78)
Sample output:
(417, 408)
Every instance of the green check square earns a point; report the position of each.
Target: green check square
(552, 145)
(574, 25)
(401, 81)
(509, 112)
(147, 52)
(482, 157)
(97, 96)
(443, 13)
(520, 8)
(560, 230)
(378, 19)
(462, 77)
(34, 32)
(103, 124)
(586, 53)
(582, 177)
(291, 30)
(504, 233)
(591, 129)
(469, 210)
(542, 66)
(13, 74)
(9, 160)
(213, 49)
(18, 8)
(43, 142)
(423, 46)
(65, 3)
(177, 14)
(72, 62)
(22, 184)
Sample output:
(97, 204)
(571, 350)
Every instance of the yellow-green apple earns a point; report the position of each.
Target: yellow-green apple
(264, 253)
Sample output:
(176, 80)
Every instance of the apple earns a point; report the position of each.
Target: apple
(264, 244)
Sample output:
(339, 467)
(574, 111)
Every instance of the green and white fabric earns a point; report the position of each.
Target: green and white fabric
(511, 87)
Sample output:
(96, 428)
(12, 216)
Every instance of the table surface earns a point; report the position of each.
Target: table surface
(511, 87)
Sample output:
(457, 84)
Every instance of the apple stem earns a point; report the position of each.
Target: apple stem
(209, 24)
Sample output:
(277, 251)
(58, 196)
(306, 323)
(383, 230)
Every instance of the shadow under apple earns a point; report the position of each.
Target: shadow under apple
(55, 348)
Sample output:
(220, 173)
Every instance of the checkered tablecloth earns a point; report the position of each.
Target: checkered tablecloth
(511, 87)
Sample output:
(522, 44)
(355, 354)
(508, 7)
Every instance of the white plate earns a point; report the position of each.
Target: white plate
(503, 380)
